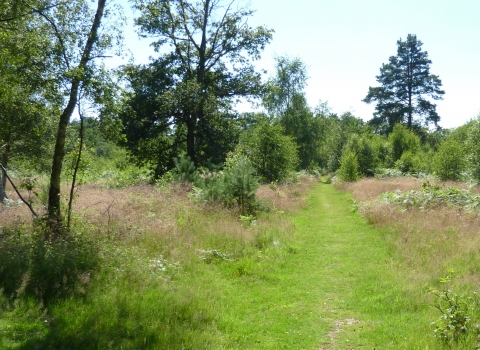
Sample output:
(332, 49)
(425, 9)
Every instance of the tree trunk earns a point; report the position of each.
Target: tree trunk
(3, 176)
(3, 183)
(199, 114)
(409, 121)
(54, 212)
(410, 93)
(191, 128)
(75, 171)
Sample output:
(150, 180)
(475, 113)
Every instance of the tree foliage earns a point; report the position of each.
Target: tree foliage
(449, 160)
(62, 41)
(403, 140)
(407, 89)
(288, 83)
(472, 146)
(209, 62)
(273, 154)
(25, 111)
(349, 168)
(284, 99)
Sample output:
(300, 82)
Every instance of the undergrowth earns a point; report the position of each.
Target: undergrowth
(33, 266)
(459, 323)
(432, 196)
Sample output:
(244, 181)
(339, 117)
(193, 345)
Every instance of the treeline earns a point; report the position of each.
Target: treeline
(178, 113)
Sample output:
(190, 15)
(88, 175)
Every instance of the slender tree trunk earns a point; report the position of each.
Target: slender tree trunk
(410, 93)
(3, 183)
(54, 212)
(75, 171)
(191, 128)
(3, 175)
(409, 121)
(199, 113)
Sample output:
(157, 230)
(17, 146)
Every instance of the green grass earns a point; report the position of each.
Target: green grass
(328, 280)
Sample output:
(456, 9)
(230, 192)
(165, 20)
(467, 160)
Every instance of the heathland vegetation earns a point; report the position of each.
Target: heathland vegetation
(162, 218)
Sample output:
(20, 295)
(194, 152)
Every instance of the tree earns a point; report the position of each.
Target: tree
(449, 160)
(472, 145)
(334, 133)
(285, 99)
(287, 84)
(77, 66)
(67, 38)
(349, 167)
(273, 154)
(362, 147)
(403, 140)
(210, 59)
(407, 89)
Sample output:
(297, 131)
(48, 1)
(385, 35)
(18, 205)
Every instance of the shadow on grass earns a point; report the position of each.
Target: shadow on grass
(151, 320)
(31, 266)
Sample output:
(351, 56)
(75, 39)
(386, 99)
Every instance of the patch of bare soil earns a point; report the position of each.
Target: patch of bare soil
(338, 328)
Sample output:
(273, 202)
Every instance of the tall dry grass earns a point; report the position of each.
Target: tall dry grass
(428, 243)
(167, 218)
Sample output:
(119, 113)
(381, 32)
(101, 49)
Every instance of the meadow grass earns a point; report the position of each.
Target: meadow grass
(310, 274)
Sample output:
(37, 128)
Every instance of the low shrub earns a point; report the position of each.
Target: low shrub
(431, 196)
(235, 185)
(458, 323)
(448, 162)
(408, 163)
(185, 170)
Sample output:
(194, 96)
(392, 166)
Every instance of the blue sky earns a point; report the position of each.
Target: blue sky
(344, 43)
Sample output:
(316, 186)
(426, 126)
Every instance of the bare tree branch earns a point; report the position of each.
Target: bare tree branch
(18, 193)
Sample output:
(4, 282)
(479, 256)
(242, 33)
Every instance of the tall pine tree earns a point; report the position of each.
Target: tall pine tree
(407, 89)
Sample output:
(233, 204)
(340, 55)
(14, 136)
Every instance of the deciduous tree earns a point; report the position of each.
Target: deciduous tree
(285, 100)
(68, 37)
(210, 59)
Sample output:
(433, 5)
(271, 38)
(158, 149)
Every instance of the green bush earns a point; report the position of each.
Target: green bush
(408, 163)
(362, 147)
(383, 152)
(402, 140)
(241, 184)
(432, 196)
(449, 161)
(458, 325)
(349, 169)
(235, 185)
(185, 170)
(473, 149)
(273, 155)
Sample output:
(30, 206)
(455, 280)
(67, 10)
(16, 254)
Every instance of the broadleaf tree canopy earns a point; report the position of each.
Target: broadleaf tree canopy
(407, 89)
(209, 47)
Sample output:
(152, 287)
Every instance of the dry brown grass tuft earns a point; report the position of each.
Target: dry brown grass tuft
(287, 197)
(370, 188)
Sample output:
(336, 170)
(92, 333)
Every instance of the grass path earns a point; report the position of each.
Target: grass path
(337, 288)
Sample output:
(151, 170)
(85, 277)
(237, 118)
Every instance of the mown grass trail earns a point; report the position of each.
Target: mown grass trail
(337, 288)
